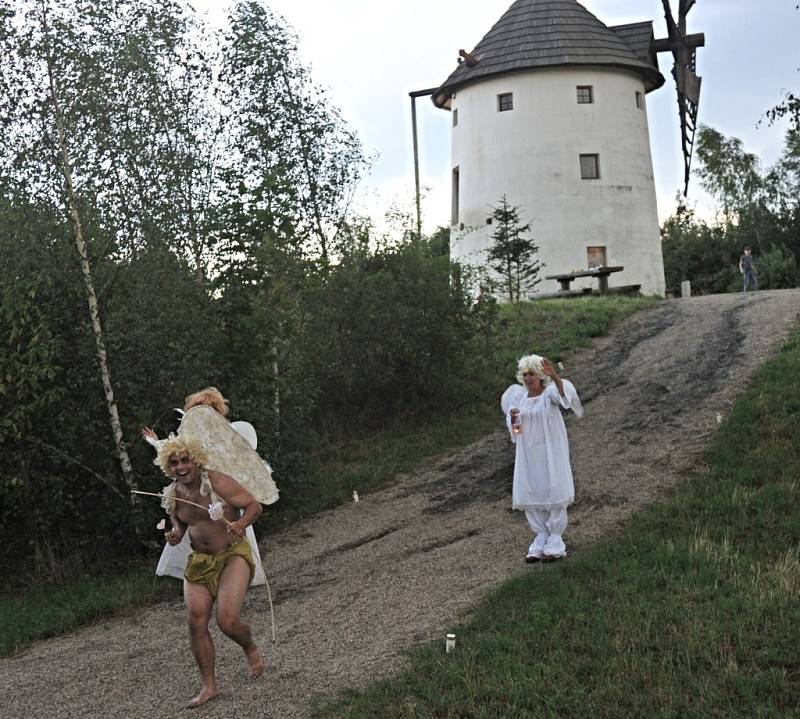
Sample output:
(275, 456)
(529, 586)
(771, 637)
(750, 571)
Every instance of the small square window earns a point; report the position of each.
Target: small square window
(505, 102)
(585, 94)
(639, 100)
(455, 118)
(590, 167)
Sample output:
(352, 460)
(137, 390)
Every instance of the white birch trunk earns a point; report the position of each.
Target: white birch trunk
(80, 245)
(276, 398)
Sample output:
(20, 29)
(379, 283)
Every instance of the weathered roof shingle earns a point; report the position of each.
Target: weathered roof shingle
(637, 36)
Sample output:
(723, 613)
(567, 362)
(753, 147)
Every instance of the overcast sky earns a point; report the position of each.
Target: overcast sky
(372, 53)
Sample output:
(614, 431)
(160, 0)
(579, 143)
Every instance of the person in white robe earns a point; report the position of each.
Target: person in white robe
(543, 486)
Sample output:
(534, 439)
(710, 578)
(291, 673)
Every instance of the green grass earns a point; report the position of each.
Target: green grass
(38, 611)
(555, 328)
(691, 610)
(364, 463)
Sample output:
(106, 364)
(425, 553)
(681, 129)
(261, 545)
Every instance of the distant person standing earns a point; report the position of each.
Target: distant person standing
(748, 270)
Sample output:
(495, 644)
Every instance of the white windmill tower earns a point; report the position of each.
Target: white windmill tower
(549, 109)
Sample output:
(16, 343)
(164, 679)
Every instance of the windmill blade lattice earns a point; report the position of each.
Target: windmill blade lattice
(684, 51)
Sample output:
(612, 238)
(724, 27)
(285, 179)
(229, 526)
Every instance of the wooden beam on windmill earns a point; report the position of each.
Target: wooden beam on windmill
(468, 58)
(687, 83)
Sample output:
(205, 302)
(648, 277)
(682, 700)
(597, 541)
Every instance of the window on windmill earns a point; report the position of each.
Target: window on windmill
(505, 101)
(454, 207)
(639, 100)
(585, 95)
(590, 167)
(455, 118)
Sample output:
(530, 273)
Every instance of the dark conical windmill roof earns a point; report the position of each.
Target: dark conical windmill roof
(551, 33)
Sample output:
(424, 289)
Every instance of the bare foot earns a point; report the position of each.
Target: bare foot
(255, 661)
(205, 695)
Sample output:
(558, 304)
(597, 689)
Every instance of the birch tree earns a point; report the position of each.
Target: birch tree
(142, 133)
(108, 118)
(38, 37)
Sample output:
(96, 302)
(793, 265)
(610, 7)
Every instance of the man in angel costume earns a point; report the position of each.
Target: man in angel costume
(202, 461)
(231, 449)
(543, 486)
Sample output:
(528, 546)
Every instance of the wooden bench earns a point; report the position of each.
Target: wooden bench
(601, 273)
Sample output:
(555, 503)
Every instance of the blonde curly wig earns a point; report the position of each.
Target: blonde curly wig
(176, 443)
(532, 363)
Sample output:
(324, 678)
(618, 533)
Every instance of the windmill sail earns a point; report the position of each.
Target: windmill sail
(684, 51)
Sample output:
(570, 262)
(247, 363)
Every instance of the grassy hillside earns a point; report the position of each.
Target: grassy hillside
(553, 328)
(691, 610)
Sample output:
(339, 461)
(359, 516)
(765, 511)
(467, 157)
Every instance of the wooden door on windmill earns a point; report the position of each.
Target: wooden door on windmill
(595, 257)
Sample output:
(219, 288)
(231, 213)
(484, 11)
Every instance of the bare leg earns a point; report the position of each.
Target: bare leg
(198, 606)
(233, 583)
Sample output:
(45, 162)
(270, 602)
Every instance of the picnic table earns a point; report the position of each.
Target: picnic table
(601, 273)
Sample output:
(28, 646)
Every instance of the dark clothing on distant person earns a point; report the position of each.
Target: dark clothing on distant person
(748, 272)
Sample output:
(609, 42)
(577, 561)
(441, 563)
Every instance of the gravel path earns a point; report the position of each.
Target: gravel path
(356, 585)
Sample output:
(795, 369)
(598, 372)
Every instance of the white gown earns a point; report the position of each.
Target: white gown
(172, 562)
(542, 471)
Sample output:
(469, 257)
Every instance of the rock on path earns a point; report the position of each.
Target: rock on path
(356, 585)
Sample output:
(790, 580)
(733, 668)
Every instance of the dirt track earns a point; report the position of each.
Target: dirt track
(354, 586)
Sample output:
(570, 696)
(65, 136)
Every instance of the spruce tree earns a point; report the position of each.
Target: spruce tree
(511, 255)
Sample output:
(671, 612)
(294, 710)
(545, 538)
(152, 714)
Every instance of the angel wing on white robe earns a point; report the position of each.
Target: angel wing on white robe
(229, 452)
(512, 397)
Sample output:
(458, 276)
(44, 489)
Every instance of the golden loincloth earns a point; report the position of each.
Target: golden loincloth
(206, 568)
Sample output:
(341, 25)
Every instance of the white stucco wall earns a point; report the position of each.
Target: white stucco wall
(531, 154)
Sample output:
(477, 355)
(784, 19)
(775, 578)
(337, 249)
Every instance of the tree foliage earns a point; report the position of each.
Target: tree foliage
(727, 172)
(760, 208)
(788, 107)
(213, 179)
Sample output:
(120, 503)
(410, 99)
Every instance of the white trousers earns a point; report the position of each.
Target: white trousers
(549, 525)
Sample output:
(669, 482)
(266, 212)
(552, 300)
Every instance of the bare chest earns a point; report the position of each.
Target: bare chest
(189, 513)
